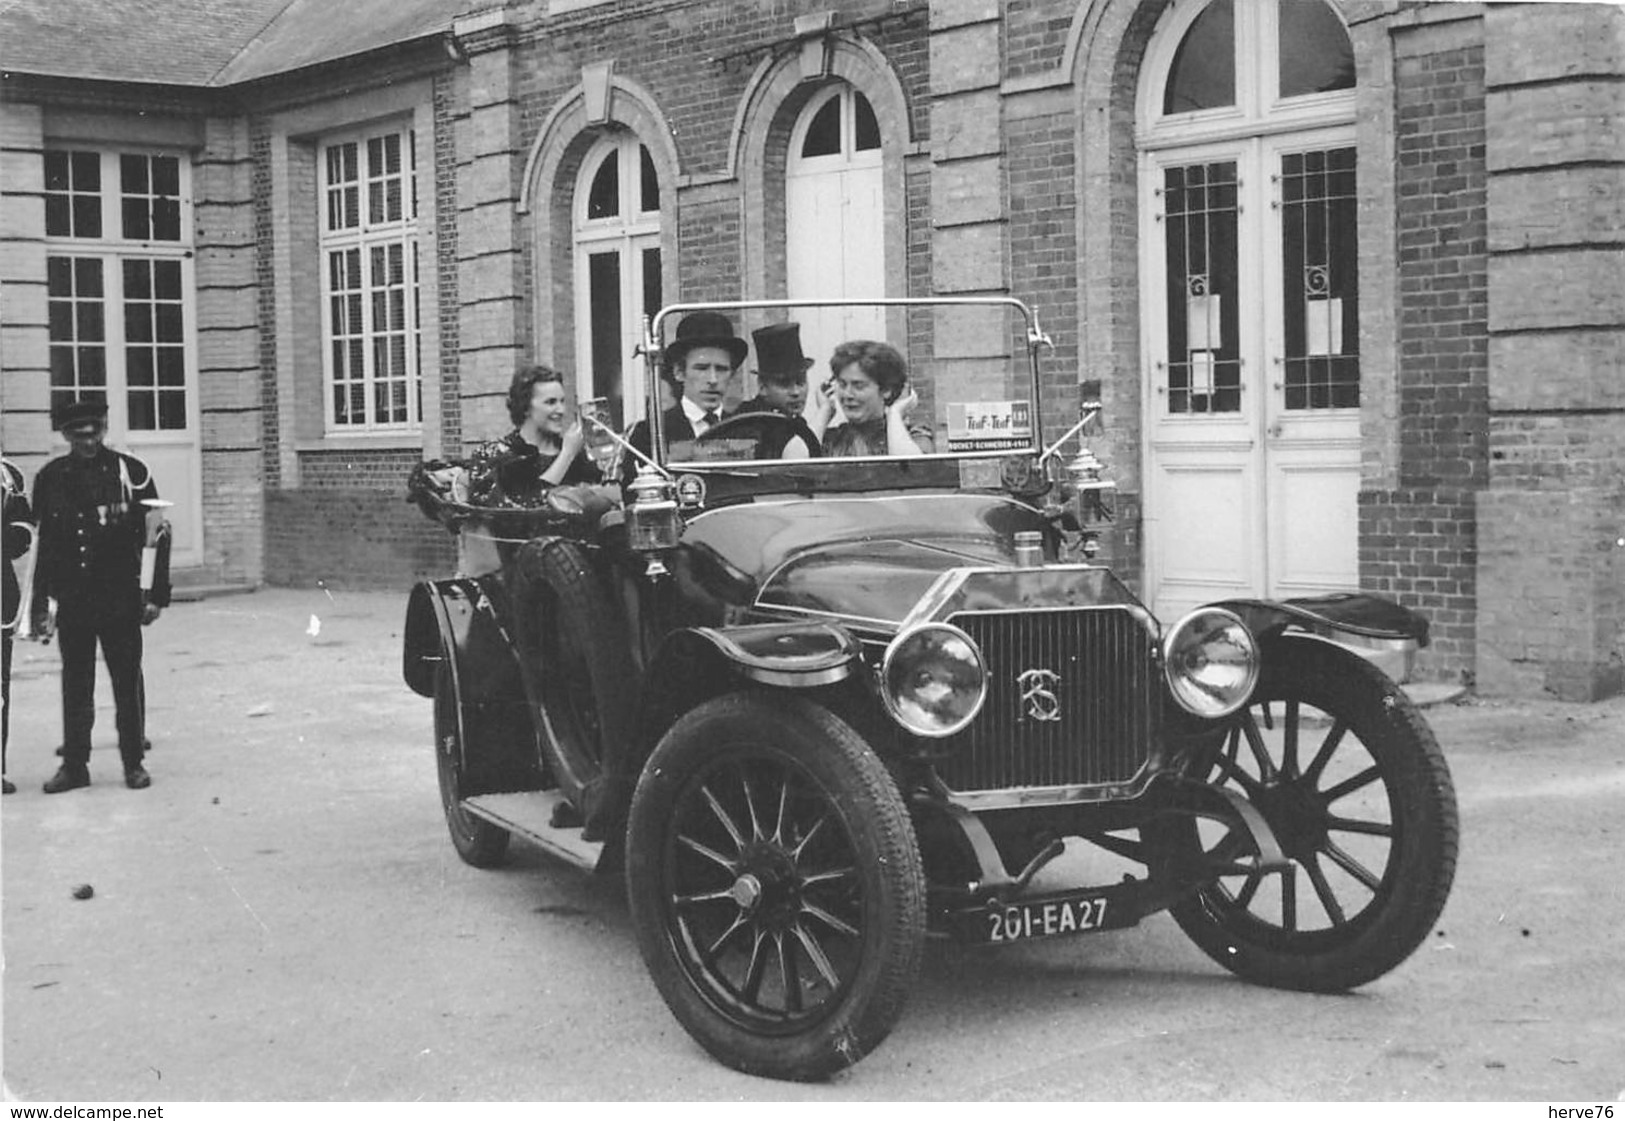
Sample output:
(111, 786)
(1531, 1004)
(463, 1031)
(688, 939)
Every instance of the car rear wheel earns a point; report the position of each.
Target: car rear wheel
(1350, 779)
(476, 840)
(776, 886)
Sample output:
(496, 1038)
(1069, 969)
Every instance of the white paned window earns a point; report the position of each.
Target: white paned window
(369, 247)
(119, 284)
(617, 268)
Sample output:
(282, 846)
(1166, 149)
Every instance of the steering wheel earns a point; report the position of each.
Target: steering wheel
(771, 431)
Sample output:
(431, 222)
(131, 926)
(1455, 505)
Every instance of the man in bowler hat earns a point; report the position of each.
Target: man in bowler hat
(92, 506)
(699, 362)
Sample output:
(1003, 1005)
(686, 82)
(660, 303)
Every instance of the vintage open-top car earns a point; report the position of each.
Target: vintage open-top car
(819, 709)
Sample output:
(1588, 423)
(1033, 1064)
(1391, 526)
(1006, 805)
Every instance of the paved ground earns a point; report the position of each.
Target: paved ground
(281, 917)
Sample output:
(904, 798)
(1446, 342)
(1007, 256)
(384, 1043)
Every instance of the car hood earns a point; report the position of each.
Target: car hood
(868, 558)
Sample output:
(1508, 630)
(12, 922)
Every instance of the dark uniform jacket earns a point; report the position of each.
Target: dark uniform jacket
(92, 528)
(676, 429)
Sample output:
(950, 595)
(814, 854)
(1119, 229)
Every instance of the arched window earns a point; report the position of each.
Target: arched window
(834, 216)
(1251, 291)
(617, 268)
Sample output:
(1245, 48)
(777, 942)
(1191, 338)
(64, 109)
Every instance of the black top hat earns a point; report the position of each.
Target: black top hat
(705, 328)
(77, 413)
(778, 352)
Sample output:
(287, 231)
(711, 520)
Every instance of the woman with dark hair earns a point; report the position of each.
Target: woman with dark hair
(871, 391)
(543, 450)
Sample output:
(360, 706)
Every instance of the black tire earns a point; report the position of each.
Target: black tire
(476, 840)
(1376, 758)
(729, 913)
(584, 678)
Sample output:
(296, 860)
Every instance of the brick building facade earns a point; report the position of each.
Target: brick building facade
(1472, 377)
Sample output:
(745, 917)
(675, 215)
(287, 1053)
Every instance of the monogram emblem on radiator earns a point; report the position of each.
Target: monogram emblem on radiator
(1038, 693)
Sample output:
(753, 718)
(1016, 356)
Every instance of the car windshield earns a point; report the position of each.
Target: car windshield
(780, 382)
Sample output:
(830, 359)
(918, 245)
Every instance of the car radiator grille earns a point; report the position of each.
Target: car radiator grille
(1072, 698)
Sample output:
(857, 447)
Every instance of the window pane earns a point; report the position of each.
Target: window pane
(868, 130)
(604, 196)
(1203, 75)
(92, 367)
(59, 276)
(650, 182)
(139, 366)
(171, 409)
(133, 174)
(56, 171)
(137, 280)
(87, 216)
(824, 133)
(166, 175)
(60, 319)
(169, 323)
(1204, 345)
(137, 322)
(166, 219)
(137, 219)
(172, 366)
(87, 172)
(87, 277)
(143, 410)
(167, 279)
(652, 300)
(1319, 244)
(1316, 55)
(604, 296)
(91, 327)
(58, 222)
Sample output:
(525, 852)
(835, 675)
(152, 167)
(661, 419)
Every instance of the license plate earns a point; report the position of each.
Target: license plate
(1043, 918)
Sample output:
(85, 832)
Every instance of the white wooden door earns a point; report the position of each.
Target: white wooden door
(834, 233)
(1253, 450)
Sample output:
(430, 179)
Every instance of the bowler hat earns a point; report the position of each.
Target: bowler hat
(778, 352)
(77, 413)
(706, 328)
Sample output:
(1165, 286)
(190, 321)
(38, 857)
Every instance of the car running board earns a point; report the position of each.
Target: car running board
(529, 814)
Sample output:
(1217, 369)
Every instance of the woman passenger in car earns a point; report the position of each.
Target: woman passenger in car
(870, 390)
(544, 449)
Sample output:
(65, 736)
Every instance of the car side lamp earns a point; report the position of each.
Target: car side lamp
(1079, 504)
(653, 523)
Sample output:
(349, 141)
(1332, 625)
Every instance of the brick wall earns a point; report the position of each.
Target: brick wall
(367, 540)
(1552, 522)
(229, 384)
(1418, 542)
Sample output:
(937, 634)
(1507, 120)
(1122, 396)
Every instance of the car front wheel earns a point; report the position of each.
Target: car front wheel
(1352, 783)
(776, 886)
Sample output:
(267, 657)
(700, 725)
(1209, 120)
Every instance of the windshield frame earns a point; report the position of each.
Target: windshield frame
(653, 356)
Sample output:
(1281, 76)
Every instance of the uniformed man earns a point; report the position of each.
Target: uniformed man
(93, 508)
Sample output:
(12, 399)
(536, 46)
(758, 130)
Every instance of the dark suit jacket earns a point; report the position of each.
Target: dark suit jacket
(677, 427)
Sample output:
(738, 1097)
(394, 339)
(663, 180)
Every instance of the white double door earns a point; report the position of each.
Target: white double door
(1252, 461)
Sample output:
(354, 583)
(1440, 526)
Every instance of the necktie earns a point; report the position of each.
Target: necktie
(710, 418)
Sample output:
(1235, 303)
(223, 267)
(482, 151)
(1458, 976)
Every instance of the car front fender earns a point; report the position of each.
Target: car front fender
(1360, 614)
(697, 663)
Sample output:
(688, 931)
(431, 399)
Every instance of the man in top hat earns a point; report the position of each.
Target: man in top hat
(781, 371)
(93, 505)
(699, 363)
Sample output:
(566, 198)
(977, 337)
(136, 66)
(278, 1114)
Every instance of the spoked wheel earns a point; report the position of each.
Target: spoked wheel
(776, 886)
(1352, 782)
(477, 841)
